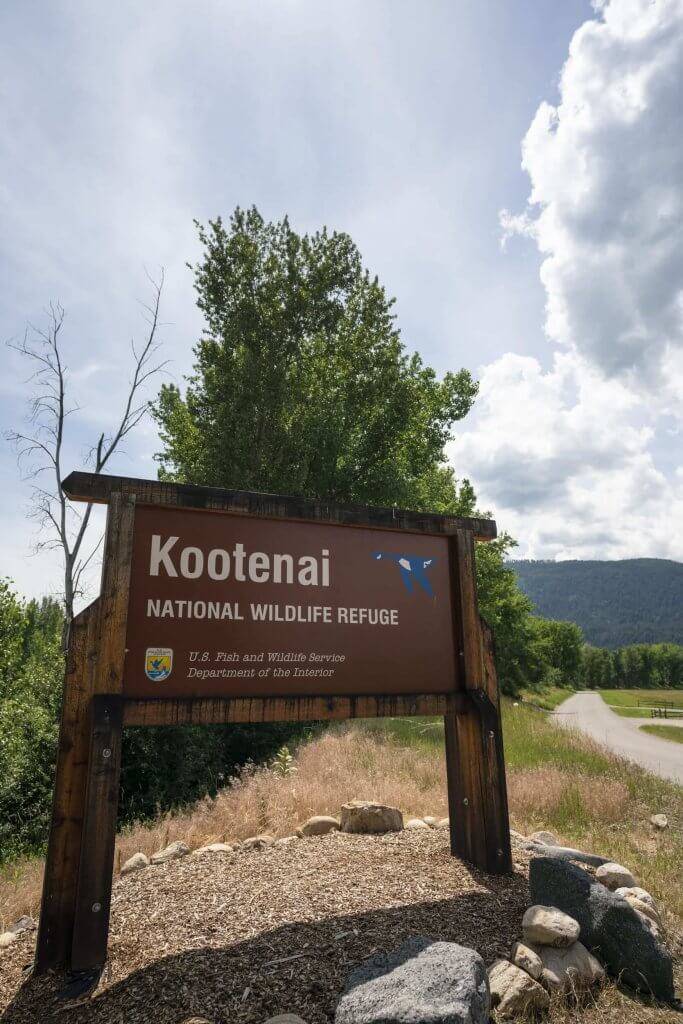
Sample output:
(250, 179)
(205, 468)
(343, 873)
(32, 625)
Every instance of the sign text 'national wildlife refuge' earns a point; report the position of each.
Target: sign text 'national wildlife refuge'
(233, 606)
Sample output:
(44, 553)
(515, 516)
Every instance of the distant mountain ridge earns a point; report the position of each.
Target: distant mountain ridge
(634, 600)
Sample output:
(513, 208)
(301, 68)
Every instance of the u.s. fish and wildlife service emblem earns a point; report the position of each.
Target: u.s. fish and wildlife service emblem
(158, 663)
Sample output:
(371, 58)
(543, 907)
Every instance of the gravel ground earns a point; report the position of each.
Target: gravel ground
(237, 938)
(240, 937)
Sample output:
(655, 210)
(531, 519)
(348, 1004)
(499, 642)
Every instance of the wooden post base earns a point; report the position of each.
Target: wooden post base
(93, 901)
(479, 825)
(55, 930)
(475, 765)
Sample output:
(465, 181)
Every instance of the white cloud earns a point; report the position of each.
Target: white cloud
(563, 457)
(568, 456)
(606, 204)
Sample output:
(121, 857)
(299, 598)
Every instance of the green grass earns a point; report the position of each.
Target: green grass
(548, 697)
(666, 732)
(563, 781)
(625, 702)
(530, 740)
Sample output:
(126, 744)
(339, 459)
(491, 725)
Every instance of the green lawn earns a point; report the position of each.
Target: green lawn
(625, 702)
(666, 732)
(549, 697)
(531, 741)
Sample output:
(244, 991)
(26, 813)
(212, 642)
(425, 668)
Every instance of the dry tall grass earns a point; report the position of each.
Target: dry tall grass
(349, 762)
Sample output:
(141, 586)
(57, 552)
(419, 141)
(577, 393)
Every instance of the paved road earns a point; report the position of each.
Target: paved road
(589, 713)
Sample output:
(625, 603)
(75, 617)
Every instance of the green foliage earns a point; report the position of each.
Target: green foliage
(640, 666)
(12, 628)
(560, 647)
(508, 612)
(618, 603)
(283, 763)
(301, 384)
(30, 695)
(166, 768)
(674, 733)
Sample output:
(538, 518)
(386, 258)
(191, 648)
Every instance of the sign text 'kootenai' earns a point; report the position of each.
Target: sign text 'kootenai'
(233, 606)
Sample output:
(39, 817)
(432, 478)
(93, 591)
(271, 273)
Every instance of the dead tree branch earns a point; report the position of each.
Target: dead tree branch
(40, 448)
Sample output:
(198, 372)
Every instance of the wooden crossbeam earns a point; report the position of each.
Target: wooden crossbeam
(98, 489)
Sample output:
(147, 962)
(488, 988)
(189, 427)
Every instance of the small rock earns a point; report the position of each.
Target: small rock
(516, 835)
(366, 817)
(659, 821)
(646, 909)
(443, 823)
(196, 1020)
(320, 825)
(524, 957)
(172, 852)
(8, 939)
(431, 821)
(216, 848)
(514, 993)
(614, 876)
(547, 838)
(135, 863)
(285, 840)
(548, 926)
(610, 927)
(635, 892)
(285, 1018)
(422, 982)
(24, 924)
(257, 842)
(570, 968)
(415, 824)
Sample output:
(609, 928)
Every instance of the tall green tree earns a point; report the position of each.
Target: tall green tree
(301, 382)
(301, 385)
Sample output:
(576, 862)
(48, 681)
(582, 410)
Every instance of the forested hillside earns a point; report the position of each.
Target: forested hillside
(637, 600)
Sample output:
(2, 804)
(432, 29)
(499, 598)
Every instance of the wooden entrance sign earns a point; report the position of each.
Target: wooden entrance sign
(230, 606)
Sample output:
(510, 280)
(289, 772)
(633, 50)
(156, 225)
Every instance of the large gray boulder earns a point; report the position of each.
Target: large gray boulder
(422, 982)
(609, 926)
(564, 853)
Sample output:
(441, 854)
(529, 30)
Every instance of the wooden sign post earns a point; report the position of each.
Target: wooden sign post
(225, 606)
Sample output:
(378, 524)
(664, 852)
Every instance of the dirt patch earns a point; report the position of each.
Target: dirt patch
(240, 937)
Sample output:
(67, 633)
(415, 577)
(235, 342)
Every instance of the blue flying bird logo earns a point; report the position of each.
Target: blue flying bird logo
(412, 569)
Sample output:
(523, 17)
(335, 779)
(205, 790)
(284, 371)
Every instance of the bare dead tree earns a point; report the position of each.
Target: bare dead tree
(40, 450)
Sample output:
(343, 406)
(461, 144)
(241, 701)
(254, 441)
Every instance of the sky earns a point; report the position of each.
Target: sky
(511, 170)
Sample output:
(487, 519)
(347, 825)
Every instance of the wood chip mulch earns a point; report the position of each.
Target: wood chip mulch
(237, 938)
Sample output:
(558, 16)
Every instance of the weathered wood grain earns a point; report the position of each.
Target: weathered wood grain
(212, 711)
(64, 847)
(93, 900)
(113, 603)
(477, 793)
(98, 488)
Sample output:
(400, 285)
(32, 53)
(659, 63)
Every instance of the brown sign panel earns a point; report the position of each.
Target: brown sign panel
(234, 606)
